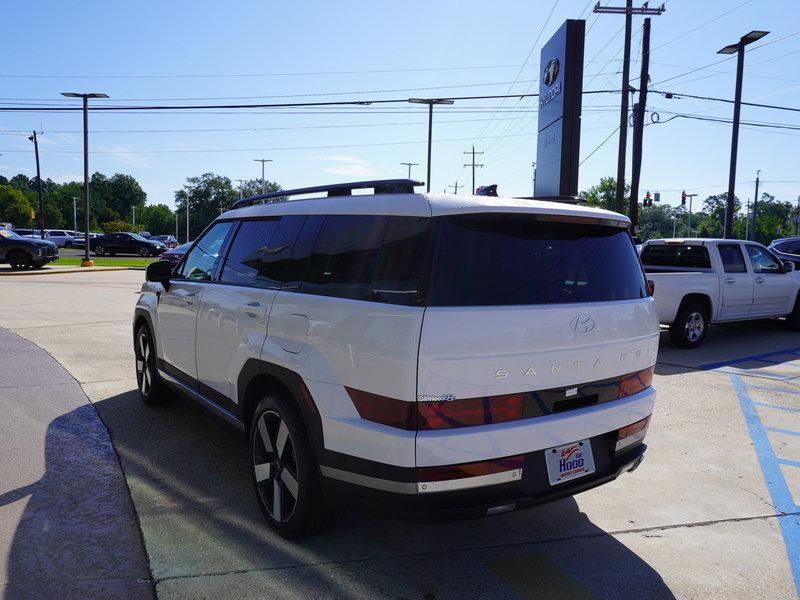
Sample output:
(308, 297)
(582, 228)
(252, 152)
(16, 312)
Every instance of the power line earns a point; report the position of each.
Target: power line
(717, 18)
(727, 101)
(600, 145)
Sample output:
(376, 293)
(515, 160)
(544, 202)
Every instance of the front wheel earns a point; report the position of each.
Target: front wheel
(285, 474)
(689, 328)
(19, 260)
(144, 252)
(147, 379)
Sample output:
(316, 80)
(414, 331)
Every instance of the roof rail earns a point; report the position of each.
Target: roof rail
(379, 186)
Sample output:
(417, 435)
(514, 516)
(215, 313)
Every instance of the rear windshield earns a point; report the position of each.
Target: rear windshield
(510, 259)
(676, 256)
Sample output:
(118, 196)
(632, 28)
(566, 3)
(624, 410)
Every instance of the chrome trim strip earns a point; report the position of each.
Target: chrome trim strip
(423, 487)
(387, 485)
(198, 397)
(427, 487)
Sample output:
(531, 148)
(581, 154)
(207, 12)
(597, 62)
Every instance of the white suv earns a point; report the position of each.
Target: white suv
(436, 354)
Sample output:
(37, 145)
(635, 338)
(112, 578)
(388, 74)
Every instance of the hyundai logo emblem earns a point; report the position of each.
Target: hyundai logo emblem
(582, 323)
(550, 72)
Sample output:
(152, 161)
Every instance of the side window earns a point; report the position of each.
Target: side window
(793, 248)
(345, 255)
(247, 249)
(762, 260)
(666, 255)
(396, 279)
(200, 261)
(275, 261)
(295, 268)
(732, 258)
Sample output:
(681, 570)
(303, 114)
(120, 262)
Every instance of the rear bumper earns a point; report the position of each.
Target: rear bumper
(533, 488)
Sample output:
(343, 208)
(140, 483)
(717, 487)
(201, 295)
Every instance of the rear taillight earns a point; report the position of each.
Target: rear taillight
(469, 412)
(631, 434)
(385, 410)
(634, 383)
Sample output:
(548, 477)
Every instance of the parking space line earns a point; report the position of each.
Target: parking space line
(755, 373)
(766, 388)
(787, 408)
(736, 361)
(789, 462)
(786, 431)
(777, 487)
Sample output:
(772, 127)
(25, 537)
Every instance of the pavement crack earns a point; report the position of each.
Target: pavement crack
(649, 532)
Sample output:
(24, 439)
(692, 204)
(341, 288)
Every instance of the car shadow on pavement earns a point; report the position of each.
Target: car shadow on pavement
(205, 536)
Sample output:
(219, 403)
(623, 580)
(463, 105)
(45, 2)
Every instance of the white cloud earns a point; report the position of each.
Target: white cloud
(126, 156)
(351, 170)
(353, 160)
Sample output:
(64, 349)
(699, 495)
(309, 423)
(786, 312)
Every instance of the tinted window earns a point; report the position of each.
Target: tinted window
(762, 261)
(274, 263)
(249, 246)
(344, 257)
(794, 248)
(200, 261)
(680, 256)
(732, 258)
(782, 246)
(502, 259)
(396, 278)
(295, 267)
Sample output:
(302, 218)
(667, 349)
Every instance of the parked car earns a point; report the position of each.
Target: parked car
(174, 255)
(168, 240)
(469, 355)
(79, 240)
(125, 243)
(24, 253)
(703, 281)
(59, 237)
(787, 249)
(145, 234)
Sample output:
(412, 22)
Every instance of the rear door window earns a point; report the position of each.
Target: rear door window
(518, 259)
(732, 258)
(676, 256)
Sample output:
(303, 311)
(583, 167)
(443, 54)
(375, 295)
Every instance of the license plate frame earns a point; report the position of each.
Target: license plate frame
(578, 461)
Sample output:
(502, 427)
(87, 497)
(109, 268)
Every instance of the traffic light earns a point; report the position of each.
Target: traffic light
(648, 200)
(683, 198)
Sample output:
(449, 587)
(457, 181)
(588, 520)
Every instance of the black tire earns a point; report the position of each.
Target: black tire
(690, 326)
(793, 318)
(38, 265)
(148, 382)
(19, 260)
(286, 475)
(144, 252)
(99, 250)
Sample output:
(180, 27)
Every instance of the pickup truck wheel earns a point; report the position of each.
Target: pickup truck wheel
(688, 330)
(19, 260)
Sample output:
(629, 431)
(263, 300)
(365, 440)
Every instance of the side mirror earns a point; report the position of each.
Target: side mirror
(788, 266)
(159, 271)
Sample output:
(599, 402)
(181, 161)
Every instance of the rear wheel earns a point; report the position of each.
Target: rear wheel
(19, 260)
(151, 390)
(285, 474)
(144, 252)
(99, 250)
(689, 328)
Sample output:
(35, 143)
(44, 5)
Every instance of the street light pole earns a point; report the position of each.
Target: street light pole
(35, 141)
(430, 102)
(737, 48)
(188, 198)
(75, 214)
(263, 181)
(409, 165)
(86, 262)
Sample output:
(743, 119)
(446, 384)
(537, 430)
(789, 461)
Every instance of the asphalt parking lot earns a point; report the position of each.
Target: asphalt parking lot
(710, 513)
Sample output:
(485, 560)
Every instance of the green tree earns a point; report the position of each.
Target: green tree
(123, 193)
(14, 207)
(115, 226)
(158, 219)
(655, 221)
(53, 219)
(208, 194)
(252, 187)
(603, 195)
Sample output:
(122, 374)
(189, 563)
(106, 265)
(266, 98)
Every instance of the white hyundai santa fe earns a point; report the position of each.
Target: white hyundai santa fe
(437, 355)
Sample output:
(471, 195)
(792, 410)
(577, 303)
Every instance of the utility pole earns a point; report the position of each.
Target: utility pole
(409, 165)
(747, 221)
(797, 220)
(638, 126)
(176, 225)
(263, 181)
(755, 205)
(628, 11)
(455, 187)
(133, 209)
(430, 102)
(241, 189)
(35, 141)
(188, 197)
(473, 153)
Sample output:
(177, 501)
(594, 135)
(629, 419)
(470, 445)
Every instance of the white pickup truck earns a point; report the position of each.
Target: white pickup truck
(703, 281)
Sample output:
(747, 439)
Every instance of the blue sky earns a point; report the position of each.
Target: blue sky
(281, 51)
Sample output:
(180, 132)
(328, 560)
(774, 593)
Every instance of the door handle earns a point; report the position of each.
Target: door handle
(254, 304)
(760, 280)
(730, 280)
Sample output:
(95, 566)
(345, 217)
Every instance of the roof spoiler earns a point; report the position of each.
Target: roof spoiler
(379, 186)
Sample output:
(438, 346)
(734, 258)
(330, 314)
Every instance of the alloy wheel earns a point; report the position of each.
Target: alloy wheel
(275, 467)
(695, 324)
(144, 363)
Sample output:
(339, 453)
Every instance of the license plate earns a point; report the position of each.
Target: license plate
(570, 461)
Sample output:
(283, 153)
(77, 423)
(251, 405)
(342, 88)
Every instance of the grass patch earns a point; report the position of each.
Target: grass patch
(74, 261)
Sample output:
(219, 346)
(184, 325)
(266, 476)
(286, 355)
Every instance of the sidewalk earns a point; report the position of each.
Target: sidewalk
(51, 269)
(67, 525)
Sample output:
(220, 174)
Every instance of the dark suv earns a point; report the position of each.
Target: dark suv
(787, 249)
(23, 253)
(125, 243)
